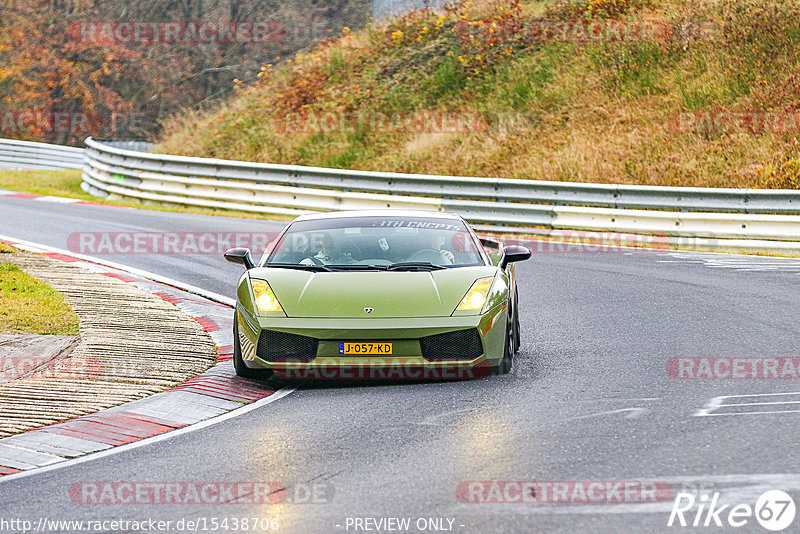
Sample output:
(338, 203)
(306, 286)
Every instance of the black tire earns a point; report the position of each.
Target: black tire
(238, 363)
(517, 334)
(507, 362)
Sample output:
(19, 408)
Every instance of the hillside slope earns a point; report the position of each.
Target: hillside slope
(698, 93)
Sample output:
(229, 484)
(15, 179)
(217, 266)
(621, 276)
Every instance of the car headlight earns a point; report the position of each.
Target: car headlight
(476, 296)
(265, 298)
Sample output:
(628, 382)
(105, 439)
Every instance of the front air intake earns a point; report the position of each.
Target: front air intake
(461, 345)
(282, 347)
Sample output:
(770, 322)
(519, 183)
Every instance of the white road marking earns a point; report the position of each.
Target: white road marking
(711, 409)
(633, 413)
(763, 403)
(764, 394)
(712, 405)
(740, 263)
(59, 200)
(749, 413)
(623, 400)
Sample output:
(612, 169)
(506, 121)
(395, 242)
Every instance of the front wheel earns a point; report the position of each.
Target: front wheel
(517, 335)
(238, 363)
(508, 351)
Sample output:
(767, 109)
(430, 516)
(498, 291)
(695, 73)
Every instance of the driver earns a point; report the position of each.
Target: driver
(328, 254)
(437, 241)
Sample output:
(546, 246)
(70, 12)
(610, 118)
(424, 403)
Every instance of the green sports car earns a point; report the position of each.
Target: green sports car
(382, 294)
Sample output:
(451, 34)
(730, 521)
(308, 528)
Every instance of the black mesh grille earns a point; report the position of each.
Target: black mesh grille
(282, 347)
(452, 346)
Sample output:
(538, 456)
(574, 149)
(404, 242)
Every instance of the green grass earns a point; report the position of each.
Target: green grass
(55, 183)
(447, 80)
(632, 70)
(28, 305)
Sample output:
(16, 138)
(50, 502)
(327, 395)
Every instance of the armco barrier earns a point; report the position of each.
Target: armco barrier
(729, 216)
(489, 189)
(488, 202)
(28, 155)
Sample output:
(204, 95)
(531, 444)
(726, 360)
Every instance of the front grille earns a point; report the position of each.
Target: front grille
(282, 347)
(452, 346)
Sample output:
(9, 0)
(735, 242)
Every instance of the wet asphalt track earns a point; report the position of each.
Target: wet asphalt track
(589, 399)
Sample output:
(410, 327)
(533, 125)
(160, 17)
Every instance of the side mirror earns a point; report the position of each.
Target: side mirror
(514, 253)
(240, 255)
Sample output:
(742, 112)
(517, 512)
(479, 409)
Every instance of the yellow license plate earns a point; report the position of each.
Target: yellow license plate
(371, 349)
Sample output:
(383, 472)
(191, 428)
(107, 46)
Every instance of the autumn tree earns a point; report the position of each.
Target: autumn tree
(58, 59)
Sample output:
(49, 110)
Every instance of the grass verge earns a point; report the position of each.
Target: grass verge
(28, 305)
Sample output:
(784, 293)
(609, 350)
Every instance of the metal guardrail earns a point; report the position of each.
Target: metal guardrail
(382, 9)
(29, 155)
(496, 190)
(128, 144)
(486, 202)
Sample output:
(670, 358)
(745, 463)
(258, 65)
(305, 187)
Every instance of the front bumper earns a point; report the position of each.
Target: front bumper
(406, 360)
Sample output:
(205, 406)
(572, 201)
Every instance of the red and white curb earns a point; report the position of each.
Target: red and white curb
(57, 200)
(213, 396)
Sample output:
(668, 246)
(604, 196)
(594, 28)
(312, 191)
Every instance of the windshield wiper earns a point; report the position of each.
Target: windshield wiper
(356, 267)
(299, 266)
(414, 266)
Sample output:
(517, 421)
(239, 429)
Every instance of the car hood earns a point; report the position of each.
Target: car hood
(387, 293)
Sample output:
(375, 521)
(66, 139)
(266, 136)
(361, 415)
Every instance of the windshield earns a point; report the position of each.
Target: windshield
(390, 242)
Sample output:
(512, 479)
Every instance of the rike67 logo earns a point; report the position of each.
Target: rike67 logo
(774, 510)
